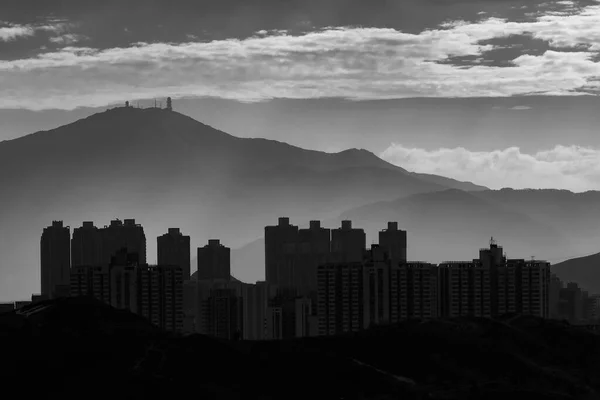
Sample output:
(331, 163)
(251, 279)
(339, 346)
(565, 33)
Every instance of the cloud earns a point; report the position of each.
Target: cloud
(10, 32)
(67, 39)
(357, 63)
(13, 32)
(573, 168)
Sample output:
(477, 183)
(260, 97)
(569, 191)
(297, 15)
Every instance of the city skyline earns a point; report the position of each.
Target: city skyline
(91, 248)
(308, 273)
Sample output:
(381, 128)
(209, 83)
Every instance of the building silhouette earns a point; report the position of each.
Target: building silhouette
(55, 259)
(173, 248)
(86, 245)
(220, 311)
(313, 249)
(224, 314)
(256, 301)
(341, 298)
(281, 243)
(160, 296)
(493, 285)
(214, 261)
(347, 243)
(190, 293)
(414, 291)
(152, 291)
(393, 240)
(274, 323)
(123, 235)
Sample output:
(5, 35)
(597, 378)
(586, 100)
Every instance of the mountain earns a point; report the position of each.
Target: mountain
(165, 169)
(452, 224)
(79, 345)
(583, 270)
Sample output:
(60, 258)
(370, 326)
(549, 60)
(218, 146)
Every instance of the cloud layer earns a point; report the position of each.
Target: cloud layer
(350, 62)
(572, 168)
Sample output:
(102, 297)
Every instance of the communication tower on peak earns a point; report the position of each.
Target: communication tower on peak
(493, 242)
(169, 104)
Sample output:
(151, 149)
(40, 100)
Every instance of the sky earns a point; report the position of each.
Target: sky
(501, 93)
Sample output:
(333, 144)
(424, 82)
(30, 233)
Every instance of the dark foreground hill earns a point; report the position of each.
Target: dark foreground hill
(74, 348)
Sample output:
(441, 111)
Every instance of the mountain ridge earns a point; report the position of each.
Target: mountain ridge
(583, 270)
(166, 169)
(451, 225)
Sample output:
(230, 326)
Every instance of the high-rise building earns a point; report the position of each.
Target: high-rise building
(174, 249)
(221, 314)
(86, 246)
(55, 254)
(190, 293)
(256, 301)
(377, 291)
(571, 303)
(393, 240)
(376, 277)
(531, 292)
(124, 287)
(91, 281)
(493, 285)
(554, 295)
(313, 249)
(214, 261)
(303, 314)
(274, 323)
(341, 298)
(152, 291)
(281, 243)
(465, 289)
(348, 244)
(160, 296)
(414, 291)
(123, 234)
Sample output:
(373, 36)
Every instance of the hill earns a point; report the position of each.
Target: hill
(449, 359)
(453, 224)
(450, 224)
(583, 270)
(165, 169)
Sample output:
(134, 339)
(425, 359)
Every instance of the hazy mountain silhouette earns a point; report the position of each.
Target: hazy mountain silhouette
(79, 342)
(583, 270)
(452, 224)
(165, 169)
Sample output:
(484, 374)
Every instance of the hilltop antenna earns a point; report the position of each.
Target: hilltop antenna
(154, 103)
(492, 241)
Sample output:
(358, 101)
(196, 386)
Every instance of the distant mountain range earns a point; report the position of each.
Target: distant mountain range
(453, 224)
(79, 345)
(167, 170)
